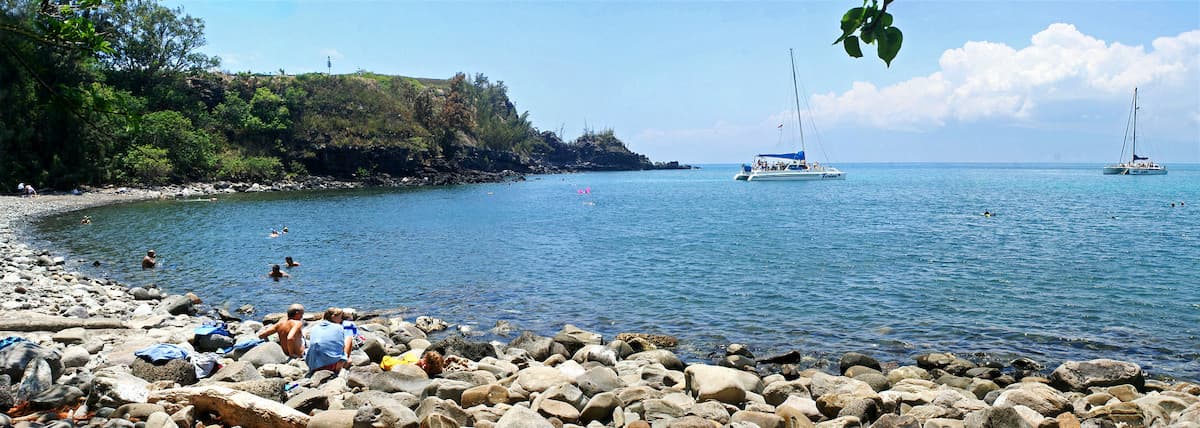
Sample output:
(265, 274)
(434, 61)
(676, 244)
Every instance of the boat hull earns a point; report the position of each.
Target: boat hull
(795, 176)
(1133, 170)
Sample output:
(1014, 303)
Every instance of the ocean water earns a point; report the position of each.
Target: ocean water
(895, 261)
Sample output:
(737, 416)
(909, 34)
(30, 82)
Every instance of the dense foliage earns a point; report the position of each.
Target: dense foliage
(873, 24)
(96, 92)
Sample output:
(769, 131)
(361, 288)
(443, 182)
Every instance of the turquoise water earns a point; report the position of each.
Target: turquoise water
(894, 261)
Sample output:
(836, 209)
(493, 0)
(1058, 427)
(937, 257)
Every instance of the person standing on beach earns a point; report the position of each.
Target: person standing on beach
(289, 331)
(149, 261)
(328, 345)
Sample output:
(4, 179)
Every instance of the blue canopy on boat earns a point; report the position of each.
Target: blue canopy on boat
(793, 156)
(1138, 158)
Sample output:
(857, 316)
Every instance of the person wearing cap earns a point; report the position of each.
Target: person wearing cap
(149, 262)
(289, 331)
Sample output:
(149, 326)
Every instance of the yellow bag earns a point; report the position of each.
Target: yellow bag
(409, 357)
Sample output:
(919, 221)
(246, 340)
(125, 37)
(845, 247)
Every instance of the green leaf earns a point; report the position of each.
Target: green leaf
(889, 44)
(885, 20)
(852, 48)
(868, 35)
(850, 22)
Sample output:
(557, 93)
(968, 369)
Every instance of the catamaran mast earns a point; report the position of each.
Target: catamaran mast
(1135, 109)
(796, 92)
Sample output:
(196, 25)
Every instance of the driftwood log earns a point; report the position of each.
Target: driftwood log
(235, 408)
(50, 323)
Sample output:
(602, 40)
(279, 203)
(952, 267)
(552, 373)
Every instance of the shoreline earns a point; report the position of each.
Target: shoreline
(671, 389)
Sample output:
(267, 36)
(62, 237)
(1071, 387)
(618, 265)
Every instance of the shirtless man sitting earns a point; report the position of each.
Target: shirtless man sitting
(288, 330)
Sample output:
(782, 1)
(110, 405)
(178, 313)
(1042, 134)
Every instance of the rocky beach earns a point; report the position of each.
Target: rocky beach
(68, 361)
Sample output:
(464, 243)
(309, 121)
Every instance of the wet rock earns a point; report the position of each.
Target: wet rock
(538, 347)
(175, 371)
(456, 345)
(597, 353)
(430, 325)
(851, 359)
(661, 356)
(739, 362)
(790, 357)
(1081, 375)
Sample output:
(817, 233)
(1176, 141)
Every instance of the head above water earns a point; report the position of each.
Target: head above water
(150, 253)
(331, 313)
(295, 311)
(274, 268)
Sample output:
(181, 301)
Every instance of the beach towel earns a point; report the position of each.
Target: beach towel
(244, 345)
(161, 353)
(212, 328)
(205, 364)
(8, 341)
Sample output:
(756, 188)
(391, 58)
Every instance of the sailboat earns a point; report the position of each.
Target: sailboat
(788, 166)
(1139, 165)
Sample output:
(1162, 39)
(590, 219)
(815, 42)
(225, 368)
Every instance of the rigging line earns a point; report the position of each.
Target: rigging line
(1125, 137)
(813, 124)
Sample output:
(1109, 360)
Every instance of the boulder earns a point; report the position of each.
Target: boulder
(75, 356)
(488, 395)
(1037, 396)
(1081, 375)
(996, 417)
(402, 378)
(71, 336)
(234, 407)
(907, 372)
(538, 379)
(557, 409)
(456, 345)
(778, 392)
(522, 417)
(436, 406)
(661, 356)
(175, 371)
(271, 389)
(851, 359)
(15, 357)
(574, 338)
(309, 400)
(112, 387)
(598, 353)
(600, 408)
(56, 396)
(160, 420)
(238, 371)
(538, 347)
(723, 384)
(447, 389)
(760, 419)
(333, 419)
(265, 353)
(597, 380)
(176, 305)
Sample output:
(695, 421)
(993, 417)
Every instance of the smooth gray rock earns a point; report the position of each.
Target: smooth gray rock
(309, 400)
(434, 405)
(176, 305)
(456, 345)
(522, 417)
(995, 417)
(538, 347)
(597, 380)
(661, 356)
(574, 338)
(75, 356)
(55, 396)
(851, 359)
(71, 336)
(271, 389)
(406, 378)
(265, 353)
(237, 371)
(137, 410)
(1081, 375)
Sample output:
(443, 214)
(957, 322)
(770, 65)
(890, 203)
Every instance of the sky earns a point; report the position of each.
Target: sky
(710, 82)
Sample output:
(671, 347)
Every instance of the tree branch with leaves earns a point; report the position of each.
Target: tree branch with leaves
(874, 26)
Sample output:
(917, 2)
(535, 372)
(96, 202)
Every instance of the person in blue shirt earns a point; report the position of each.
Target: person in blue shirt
(328, 344)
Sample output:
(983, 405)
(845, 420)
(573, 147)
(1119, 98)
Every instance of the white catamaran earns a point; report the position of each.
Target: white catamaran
(1139, 165)
(788, 166)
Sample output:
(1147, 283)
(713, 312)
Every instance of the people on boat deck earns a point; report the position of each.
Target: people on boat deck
(289, 331)
(289, 262)
(276, 273)
(149, 262)
(328, 345)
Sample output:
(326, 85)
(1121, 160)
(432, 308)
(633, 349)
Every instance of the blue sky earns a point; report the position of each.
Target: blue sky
(709, 82)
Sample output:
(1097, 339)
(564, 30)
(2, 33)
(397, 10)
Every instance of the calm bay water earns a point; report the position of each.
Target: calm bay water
(896, 260)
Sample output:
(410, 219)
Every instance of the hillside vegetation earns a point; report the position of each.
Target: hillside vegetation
(144, 107)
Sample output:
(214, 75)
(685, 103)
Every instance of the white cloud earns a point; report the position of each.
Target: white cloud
(987, 80)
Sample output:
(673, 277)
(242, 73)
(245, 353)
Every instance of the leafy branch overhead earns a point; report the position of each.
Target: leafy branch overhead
(874, 26)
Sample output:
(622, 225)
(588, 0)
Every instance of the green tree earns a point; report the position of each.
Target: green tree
(191, 152)
(874, 26)
(150, 42)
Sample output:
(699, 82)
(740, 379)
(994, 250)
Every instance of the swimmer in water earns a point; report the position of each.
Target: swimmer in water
(276, 273)
(273, 234)
(149, 262)
(290, 263)
(987, 214)
(285, 229)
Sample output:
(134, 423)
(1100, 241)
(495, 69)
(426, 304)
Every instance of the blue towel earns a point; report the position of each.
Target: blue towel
(161, 353)
(242, 346)
(8, 341)
(205, 330)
